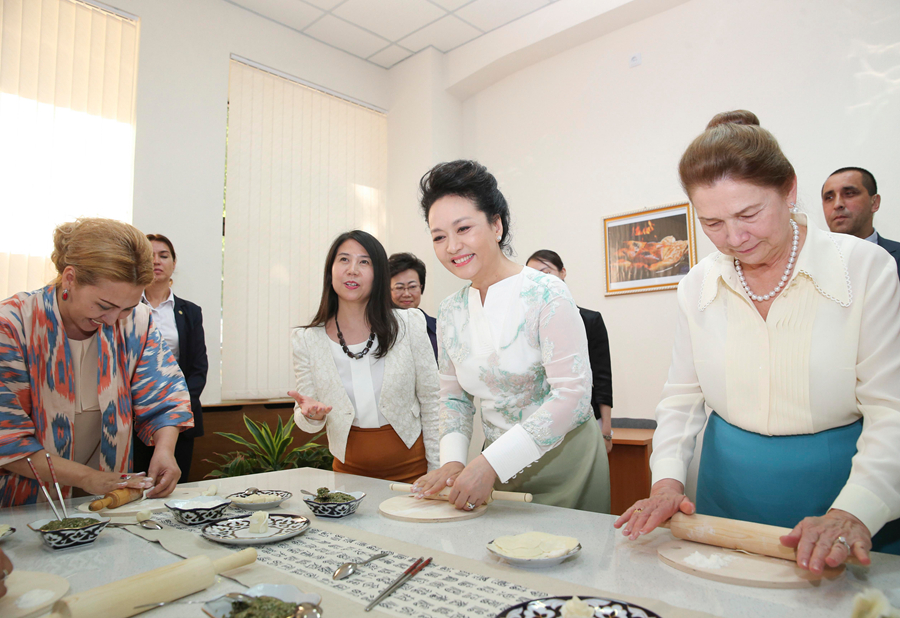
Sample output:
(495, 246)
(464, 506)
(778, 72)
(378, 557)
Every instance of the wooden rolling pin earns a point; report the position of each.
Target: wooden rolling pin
(733, 534)
(119, 599)
(117, 498)
(509, 496)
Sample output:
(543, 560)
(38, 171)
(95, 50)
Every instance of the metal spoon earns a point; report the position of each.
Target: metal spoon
(149, 524)
(307, 610)
(237, 596)
(251, 490)
(349, 568)
(309, 493)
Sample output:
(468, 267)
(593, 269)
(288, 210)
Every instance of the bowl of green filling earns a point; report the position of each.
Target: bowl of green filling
(71, 531)
(334, 504)
(269, 601)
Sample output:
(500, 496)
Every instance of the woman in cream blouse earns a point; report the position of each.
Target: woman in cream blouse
(366, 371)
(790, 334)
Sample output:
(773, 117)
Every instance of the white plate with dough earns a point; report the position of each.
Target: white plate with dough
(547, 549)
(31, 594)
(236, 531)
(154, 505)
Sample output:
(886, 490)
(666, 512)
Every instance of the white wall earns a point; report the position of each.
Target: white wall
(581, 135)
(182, 94)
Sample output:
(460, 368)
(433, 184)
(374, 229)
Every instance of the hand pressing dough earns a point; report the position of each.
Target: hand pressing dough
(534, 545)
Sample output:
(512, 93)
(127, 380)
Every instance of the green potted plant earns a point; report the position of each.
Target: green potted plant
(268, 452)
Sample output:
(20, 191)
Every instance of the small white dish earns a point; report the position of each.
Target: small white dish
(277, 497)
(534, 563)
(236, 531)
(198, 510)
(221, 608)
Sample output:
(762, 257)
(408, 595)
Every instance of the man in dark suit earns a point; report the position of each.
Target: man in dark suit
(850, 200)
(407, 286)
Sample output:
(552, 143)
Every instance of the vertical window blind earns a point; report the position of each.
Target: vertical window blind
(67, 89)
(302, 167)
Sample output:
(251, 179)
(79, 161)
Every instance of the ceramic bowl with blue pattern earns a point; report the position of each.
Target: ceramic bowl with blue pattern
(198, 510)
(64, 538)
(335, 510)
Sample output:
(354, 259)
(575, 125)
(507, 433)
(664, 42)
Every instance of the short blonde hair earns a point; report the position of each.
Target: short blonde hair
(102, 249)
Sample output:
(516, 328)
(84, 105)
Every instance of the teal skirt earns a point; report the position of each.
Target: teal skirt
(778, 480)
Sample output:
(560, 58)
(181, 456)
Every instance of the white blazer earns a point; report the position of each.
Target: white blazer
(409, 392)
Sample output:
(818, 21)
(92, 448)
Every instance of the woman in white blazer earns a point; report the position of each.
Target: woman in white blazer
(366, 371)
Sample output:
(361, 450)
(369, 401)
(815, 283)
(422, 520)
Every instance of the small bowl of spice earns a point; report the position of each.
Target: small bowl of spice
(71, 531)
(334, 504)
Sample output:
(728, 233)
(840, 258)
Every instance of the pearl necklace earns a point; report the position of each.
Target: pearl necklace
(784, 277)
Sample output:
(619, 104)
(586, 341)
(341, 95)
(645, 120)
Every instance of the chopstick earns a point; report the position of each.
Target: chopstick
(43, 487)
(56, 482)
(407, 575)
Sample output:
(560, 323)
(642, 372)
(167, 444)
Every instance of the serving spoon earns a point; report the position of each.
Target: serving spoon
(307, 610)
(149, 524)
(349, 568)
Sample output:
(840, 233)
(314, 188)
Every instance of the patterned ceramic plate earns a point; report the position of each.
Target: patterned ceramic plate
(235, 531)
(534, 563)
(551, 607)
(276, 497)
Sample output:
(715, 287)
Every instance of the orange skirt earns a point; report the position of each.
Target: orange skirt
(380, 453)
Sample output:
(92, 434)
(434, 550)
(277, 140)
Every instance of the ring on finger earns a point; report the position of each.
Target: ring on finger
(638, 510)
(842, 541)
(469, 506)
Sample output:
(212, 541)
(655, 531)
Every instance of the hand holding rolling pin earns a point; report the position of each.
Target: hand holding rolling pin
(163, 466)
(666, 498)
(309, 407)
(829, 539)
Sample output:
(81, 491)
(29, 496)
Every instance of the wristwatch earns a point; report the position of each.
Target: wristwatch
(608, 438)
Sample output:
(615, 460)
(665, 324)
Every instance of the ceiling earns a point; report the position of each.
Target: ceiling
(386, 32)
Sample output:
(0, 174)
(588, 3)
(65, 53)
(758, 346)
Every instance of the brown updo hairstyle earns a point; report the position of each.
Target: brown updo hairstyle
(735, 147)
(102, 249)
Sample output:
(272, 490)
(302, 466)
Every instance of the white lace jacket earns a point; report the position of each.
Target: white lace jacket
(409, 392)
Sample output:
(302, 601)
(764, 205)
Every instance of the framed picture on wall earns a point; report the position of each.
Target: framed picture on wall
(649, 250)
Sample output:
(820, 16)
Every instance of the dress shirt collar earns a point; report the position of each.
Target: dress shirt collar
(820, 259)
(873, 238)
(170, 300)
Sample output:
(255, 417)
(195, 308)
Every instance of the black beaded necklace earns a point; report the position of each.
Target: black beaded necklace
(344, 343)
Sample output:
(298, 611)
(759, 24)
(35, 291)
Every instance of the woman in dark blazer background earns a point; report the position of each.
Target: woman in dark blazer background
(181, 324)
(549, 262)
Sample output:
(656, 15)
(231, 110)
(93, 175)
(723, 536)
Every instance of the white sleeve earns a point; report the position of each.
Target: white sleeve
(305, 385)
(872, 492)
(681, 412)
(427, 387)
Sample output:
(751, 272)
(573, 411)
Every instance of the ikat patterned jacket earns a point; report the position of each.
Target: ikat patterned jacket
(140, 385)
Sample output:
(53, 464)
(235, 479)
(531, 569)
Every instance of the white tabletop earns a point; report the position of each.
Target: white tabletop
(608, 561)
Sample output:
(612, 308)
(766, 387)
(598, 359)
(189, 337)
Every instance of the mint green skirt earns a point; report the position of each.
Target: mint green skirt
(574, 475)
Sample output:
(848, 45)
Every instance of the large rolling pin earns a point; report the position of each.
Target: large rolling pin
(117, 498)
(509, 496)
(119, 599)
(733, 534)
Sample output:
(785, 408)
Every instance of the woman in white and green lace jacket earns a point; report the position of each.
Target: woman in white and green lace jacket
(513, 338)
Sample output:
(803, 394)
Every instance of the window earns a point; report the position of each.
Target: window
(303, 166)
(67, 83)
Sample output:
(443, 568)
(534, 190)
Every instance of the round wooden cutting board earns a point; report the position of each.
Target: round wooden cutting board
(407, 508)
(741, 569)
(153, 505)
(20, 583)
